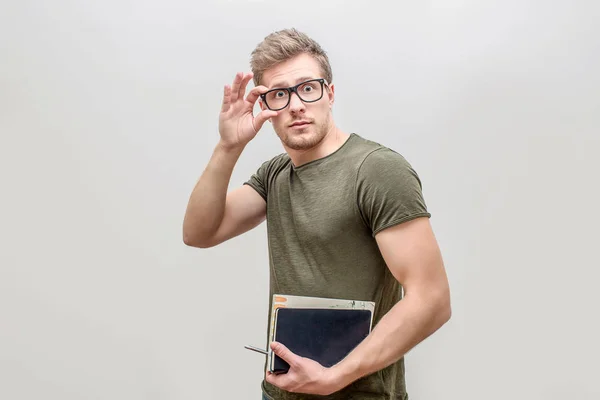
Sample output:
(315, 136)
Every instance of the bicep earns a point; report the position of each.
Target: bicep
(245, 209)
(412, 254)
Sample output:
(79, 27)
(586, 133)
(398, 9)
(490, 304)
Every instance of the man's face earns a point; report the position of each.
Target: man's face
(301, 125)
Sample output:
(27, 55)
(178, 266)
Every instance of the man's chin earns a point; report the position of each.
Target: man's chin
(301, 140)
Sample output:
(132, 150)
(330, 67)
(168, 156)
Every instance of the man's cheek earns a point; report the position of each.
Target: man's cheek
(278, 123)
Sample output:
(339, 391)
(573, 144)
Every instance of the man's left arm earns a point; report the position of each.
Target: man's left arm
(412, 254)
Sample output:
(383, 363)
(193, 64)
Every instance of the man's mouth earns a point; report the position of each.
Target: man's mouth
(300, 123)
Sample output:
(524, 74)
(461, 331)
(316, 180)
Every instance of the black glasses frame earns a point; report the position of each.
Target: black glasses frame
(294, 89)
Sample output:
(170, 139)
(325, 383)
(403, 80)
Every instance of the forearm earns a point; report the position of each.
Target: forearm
(206, 205)
(408, 323)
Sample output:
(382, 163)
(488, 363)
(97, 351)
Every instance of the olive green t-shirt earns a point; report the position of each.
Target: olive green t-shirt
(322, 218)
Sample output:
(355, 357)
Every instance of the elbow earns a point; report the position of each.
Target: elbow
(446, 313)
(438, 306)
(188, 240)
(192, 240)
(444, 307)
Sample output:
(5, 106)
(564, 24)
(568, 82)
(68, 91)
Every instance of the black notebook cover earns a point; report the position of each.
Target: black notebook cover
(323, 335)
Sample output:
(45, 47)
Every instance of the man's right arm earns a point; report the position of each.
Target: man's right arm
(213, 215)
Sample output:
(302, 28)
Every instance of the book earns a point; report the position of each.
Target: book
(322, 329)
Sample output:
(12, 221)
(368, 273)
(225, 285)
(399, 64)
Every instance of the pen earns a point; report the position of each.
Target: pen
(256, 349)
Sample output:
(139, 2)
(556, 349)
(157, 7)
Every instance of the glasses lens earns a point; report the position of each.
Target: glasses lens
(277, 99)
(310, 91)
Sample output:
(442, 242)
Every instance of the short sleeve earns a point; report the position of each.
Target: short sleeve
(388, 190)
(259, 180)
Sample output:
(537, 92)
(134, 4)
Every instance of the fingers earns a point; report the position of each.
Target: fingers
(240, 82)
(255, 93)
(284, 353)
(237, 90)
(242, 92)
(226, 98)
(235, 87)
(278, 380)
(261, 118)
(282, 381)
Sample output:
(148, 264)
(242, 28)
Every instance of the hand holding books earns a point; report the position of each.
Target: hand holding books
(308, 335)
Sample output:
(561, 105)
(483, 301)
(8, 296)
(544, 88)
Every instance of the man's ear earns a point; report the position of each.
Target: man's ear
(331, 94)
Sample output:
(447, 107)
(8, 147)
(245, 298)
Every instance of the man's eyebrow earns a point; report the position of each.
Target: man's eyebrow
(283, 84)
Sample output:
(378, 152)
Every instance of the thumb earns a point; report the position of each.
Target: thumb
(284, 353)
(262, 117)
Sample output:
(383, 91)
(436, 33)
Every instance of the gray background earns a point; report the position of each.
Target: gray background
(108, 114)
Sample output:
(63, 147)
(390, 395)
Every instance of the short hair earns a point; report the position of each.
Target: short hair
(283, 45)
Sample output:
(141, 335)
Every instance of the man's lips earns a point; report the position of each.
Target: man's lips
(300, 123)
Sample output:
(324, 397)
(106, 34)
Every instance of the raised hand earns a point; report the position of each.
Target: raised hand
(237, 124)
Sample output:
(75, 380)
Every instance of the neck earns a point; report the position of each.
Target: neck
(332, 141)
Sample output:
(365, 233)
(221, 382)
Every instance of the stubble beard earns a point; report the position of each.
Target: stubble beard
(306, 141)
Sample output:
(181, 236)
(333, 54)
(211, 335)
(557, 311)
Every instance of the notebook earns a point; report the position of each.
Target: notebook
(324, 330)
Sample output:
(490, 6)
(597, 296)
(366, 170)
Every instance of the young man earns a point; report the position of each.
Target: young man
(346, 219)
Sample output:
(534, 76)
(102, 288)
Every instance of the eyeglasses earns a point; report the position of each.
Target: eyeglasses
(308, 91)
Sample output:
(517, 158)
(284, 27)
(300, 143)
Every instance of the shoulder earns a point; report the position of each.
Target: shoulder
(372, 152)
(269, 169)
(275, 165)
(378, 160)
(384, 157)
(388, 190)
(261, 180)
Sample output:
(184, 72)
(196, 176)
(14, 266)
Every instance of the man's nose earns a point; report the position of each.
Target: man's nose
(296, 105)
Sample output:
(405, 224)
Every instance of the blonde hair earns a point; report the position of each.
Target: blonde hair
(282, 45)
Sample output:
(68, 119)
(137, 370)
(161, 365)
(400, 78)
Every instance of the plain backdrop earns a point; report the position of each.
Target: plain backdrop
(108, 115)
